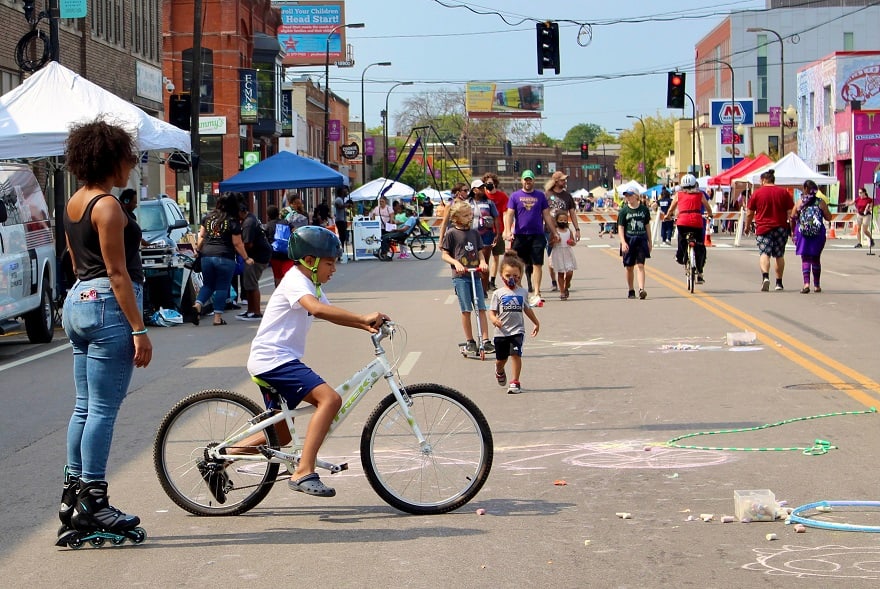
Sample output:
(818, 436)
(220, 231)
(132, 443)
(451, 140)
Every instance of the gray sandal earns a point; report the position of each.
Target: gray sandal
(311, 485)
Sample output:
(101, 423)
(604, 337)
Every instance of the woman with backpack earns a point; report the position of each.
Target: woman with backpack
(808, 228)
(278, 232)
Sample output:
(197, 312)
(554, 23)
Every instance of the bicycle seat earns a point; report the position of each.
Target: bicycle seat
(266, 388)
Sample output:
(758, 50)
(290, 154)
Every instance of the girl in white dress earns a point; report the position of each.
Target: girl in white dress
(562, 255)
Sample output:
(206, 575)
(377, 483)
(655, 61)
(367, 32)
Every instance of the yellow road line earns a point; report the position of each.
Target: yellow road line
(764, 331)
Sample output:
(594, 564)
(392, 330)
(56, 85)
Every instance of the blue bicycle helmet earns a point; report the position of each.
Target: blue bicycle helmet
(312, 240)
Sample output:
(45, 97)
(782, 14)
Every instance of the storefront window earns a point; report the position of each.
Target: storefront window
(211, 163)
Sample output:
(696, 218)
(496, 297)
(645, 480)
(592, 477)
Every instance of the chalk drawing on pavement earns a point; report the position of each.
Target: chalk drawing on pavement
(831, 561)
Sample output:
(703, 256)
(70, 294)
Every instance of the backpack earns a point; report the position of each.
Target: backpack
(810, 220)
(281, 239)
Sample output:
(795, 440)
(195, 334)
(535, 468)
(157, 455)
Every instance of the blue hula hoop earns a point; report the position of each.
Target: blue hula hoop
(796, 518)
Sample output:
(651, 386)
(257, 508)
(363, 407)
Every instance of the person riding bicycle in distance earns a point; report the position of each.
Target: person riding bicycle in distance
(402, 232)
(277, 349)
(691, 204)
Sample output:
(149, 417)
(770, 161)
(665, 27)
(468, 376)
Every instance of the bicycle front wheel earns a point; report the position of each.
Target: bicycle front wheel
(692, 269)
(422, 247)
(444, 474)
(194, 424)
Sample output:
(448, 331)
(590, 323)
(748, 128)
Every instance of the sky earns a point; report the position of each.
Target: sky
(442, 47)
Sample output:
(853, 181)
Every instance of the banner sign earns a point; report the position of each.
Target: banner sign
(248, 96)
(493, 100)
(334, 130)
(742, 111)
(249, 158)
(287, 113)
(369, 145)
(304, 31)
(392, 154)
(775, 116)
(73, 8)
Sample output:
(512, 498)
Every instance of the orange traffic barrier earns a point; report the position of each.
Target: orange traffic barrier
(832, 234)
(708, 240)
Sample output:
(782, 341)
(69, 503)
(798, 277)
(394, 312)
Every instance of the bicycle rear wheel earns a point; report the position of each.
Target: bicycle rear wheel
(193, 425)
(691, 268)
(444, 475)
(422, 247)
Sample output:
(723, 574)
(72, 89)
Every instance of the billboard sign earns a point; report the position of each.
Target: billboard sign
(742, 111)
(494, 100)
(304, 29)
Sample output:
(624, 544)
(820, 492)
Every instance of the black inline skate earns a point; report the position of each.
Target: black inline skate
(94, 520)
(68, 500)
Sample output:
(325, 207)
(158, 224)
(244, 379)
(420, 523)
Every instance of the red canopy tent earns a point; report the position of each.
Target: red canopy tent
(740, 169)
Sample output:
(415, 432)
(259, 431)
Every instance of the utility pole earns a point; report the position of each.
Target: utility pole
(195, 92)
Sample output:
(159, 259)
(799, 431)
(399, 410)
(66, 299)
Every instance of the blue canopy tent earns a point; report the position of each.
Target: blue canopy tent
(284, 170)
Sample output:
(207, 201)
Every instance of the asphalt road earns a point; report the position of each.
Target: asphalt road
(607, 382)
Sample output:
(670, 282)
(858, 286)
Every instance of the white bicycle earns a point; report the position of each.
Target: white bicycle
(425, 449)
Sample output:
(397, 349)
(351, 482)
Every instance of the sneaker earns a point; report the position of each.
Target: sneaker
(471, 347)
(492, 283)
(554, 287)
(643, 294)
(488, 346)
(778, 286)
(858, 245)
(631, 294)
(514, 388)
(250, 317)
(700, 279)
(534, 300)
(243, 314)
(872, 242)
(765, 285)
(232, 305)
(501, 377)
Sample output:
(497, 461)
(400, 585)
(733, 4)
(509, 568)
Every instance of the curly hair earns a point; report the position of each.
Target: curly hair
(96, 150)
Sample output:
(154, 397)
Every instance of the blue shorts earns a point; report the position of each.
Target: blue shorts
(462, 286)
(508, 345)
(293, 381)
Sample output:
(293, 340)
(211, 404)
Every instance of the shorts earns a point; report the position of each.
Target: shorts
(487, 238)
(293, 381)
(280, 268)
(462, 286)
(500, 247)
(530, 248)
(638, 251)
(508, 345)
(250, 280)
(773, 242)
(863, 221)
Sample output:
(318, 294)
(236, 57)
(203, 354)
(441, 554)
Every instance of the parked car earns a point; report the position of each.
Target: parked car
(27, 255)
(162, 221)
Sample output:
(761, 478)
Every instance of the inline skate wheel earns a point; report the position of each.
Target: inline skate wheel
(76, 543)
(140, 535)
(97, 542)
(118, 541)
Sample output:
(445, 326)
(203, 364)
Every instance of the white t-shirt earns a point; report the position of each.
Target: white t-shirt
(281, 337)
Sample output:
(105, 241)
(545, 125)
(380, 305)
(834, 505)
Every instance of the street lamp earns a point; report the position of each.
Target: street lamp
(693, 168)
(781, 83)
(364, 120)
(790, 115)
(732, 101)
(385, 135)
(644, 146)
(356, 25)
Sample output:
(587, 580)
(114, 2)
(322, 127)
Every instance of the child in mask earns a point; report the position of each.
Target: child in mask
(506, 310)
(562, 257)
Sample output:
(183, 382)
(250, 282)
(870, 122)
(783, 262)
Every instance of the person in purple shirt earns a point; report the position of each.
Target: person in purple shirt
(527, 212)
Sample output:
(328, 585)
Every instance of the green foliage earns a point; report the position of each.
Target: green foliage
(543, 139)
(658, 143)
(588, 132)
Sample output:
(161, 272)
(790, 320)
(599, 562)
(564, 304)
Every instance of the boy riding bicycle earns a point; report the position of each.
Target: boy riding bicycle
(280, 343)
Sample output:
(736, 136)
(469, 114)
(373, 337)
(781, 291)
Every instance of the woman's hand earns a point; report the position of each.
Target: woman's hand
(143, 350)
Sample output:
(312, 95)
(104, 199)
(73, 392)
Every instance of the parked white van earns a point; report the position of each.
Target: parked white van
(27, 255)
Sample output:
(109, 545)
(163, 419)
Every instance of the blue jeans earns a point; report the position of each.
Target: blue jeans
(216, 277)
(103, 362)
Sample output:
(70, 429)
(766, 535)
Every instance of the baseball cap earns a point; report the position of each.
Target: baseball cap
(528, 174)
(558, 176)
(629, 191)
(477, 183)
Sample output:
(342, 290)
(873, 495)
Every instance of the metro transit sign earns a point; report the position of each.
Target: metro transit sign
(723, 113)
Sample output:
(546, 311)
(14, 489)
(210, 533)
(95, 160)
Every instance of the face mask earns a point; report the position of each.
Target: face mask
(562, 225)
(490, 187)
(510, 282)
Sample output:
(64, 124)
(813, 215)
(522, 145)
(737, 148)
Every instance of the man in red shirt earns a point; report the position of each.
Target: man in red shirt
(770, 207)
(499, 197)
(864, 204)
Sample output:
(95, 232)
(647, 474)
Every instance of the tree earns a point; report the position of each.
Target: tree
(658, 140)
(544, 139)
(445, 111)
(579, 133)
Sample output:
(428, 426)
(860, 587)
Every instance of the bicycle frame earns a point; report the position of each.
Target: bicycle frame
(359, 384)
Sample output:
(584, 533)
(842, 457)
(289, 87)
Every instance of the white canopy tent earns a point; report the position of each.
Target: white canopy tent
(36, 116)
(631, 185)
(382, 186)
(790, 170)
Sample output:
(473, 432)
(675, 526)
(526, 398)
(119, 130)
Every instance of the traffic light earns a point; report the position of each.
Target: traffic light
(508, 148)
(516, 165)
(605, 182)
(538, 167)
(548, 46)
(179, 111)
(675, 90)
(585, 150)
(706, 169)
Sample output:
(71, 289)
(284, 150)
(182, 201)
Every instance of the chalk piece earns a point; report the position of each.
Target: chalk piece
(824, 508)
(560, 483)
(771, 537)
(690, 518)
(647, 448)
(586, 542)
(728, 519)
(481, 511)
(800, 528)
(707, 517)
(624, 515)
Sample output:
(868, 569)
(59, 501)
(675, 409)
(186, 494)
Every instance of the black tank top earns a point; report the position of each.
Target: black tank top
(86, 246)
